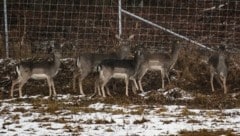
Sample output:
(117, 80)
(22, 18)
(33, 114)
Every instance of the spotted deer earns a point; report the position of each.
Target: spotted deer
(37, 69)
(87, 63)
(119, 69)
(158, 62)
(218, 68)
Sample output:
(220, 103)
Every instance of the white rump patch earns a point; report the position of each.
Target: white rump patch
(39, 76)
(119, 75)
(153, 61)
(156, 67)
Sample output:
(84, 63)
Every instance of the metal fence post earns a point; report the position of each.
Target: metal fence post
(119, 18)
(6, 27)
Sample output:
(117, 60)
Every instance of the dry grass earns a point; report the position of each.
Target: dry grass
(167, 121)
(137, 111)
(76, 129)
(22, 110)
(141, 121)
(193, 121)
(103, 121)
(205, 132)
(161, 110)
(186, 112)
(109, 130)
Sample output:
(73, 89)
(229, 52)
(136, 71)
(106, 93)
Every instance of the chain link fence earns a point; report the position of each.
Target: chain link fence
(90, 25)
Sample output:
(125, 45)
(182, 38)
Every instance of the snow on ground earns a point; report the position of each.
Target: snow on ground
(22, 118)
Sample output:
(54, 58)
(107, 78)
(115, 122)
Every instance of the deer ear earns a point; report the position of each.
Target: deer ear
(131, 37)
(118, 37)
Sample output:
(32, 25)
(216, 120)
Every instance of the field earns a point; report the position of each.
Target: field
(172, 111)
(67, 114)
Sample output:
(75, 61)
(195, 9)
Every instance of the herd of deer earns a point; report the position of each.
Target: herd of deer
(116, 65)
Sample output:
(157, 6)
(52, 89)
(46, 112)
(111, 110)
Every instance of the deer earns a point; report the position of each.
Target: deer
(87, 63)
(218, 68)
(119, 69)
(38, 70)
(158, 62)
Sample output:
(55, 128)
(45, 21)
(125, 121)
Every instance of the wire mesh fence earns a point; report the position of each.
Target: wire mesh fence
(90, 25)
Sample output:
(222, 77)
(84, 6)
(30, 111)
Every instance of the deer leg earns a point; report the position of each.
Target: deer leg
(75, 76)
(82, 77)
(53, 87)
(162, 75)
(22, 82)
(211, 81)
(135, 83)
(126, 84)
(219, 80)
(13, 84)
(99, 90)
(108, 91)
(96, 88)
(49, 86)
(140, 76)
(96, 84)
(167, 75)
(102, 88)
(224, 84)
(134, 86)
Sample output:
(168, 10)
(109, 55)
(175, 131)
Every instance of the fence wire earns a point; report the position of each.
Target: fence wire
(90, 25)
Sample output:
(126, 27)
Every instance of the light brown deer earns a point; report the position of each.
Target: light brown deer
(120, 69)
(158, 62)
(218, 67)
(35, 69)
(87, 63)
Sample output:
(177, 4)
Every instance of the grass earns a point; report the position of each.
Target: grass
(193, 121)
(5, 110)
(186, 112)
(45, 119)
(109, 130)
(205, 132)
(22, 110)
(103, 121)
(16, 117)
(167, 121)
(141, 121)
(161, 110)
(137, 111)
(53, 106)
(69, 128)
(99, 121)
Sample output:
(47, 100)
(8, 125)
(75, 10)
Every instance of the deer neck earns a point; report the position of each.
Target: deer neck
(221, 59)
(123, 52)
(138, 59)
(57, 62)
(174, 55)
